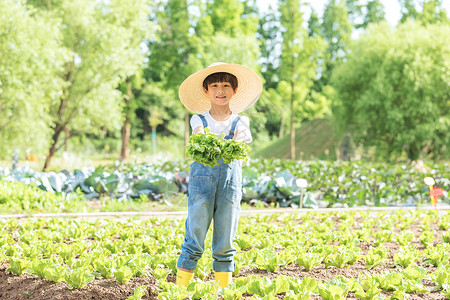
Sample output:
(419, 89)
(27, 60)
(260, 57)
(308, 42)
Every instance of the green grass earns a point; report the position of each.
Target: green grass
(315, 139)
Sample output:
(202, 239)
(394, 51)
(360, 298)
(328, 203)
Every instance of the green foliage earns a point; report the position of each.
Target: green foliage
(39, 267)
(154, 243)
(55, 273)
(32, 58)
(390, 97)
(372, 260)
(160, 273)
(123, 274)
(18, 266)
(438, 255)
(299, 58)
(79, 278)
(446, 290)
(406, 257)
(431, 12)
(309, 260)
(441, 276)
(336, 30)
(232, 150)
(404, 238)
(19, 197)
(266, 259)
(139, 292)
(332, 292)
(206, 148)
(105, 267)
(368, 289)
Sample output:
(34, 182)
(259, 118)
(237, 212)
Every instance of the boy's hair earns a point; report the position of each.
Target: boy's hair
(221, 77)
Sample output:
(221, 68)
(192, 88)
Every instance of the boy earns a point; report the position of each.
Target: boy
(218, 93)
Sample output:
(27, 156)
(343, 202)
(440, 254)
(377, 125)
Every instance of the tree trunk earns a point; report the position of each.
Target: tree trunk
(283, 123)
(66, 138)
(186, 131)
(126, 128)
(412, 152)
(154, 140)
(292, 122)
(59, 127)
(51, 152)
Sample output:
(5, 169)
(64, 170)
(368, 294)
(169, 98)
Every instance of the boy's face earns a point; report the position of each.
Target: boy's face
(220, 93)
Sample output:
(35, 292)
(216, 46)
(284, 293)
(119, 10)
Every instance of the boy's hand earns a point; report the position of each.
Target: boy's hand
(199, 129)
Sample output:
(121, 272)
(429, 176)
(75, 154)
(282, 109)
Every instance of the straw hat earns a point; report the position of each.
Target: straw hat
(249, 88)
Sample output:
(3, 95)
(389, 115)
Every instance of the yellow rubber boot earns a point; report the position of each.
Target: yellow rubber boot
(224, 278)
(183, 277)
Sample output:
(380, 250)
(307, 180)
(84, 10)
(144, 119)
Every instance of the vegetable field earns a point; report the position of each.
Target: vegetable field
(402, 254)
(268, 182)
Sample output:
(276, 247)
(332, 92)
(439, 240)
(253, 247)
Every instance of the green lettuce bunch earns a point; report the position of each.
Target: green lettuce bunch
(232, 149)
(206, 148)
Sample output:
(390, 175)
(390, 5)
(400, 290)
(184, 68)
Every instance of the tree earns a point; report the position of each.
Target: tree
(154, 119)
(432, 11)
(314, 26)
(299, 57)
(269, 40)
(103, 50)
(31, 59)
(393, 95)
(361, 14)
(173, 56)
(409, 10)
(336, 30)
(129, 89)
(374, 13)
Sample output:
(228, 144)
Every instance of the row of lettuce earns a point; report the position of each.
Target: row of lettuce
(277, 182)
(78, 252)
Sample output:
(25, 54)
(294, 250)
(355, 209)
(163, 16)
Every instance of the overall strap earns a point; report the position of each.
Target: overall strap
(233, 128)
(205, 123)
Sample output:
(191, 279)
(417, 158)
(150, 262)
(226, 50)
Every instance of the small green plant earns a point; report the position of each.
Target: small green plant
(383, 236)
(446, 290)
(404, 238)
(367, 289)
(446, 237)
(427, 238)
(389, 281)
(56, 273)
(139, 292)
(309, 260)
(437, 256)
(406, 257)
(79, 278)
(342, 258)
(268, 260)
(441, 276)
(17, 266)
(373, 260)
(38, 267)
(332, 292)
(123, 274)
(105, 267)
(204, 265)
(160, 273)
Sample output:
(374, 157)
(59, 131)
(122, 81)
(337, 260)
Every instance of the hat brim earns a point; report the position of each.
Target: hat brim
(249, 89)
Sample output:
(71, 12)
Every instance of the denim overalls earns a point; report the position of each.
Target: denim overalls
(213, 193)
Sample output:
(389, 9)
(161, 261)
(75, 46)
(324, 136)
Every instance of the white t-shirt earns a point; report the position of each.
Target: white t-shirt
(242, 132)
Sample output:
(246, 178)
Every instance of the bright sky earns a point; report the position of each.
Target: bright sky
(392, 7)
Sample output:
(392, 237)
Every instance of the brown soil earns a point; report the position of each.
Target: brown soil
(28, 286)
